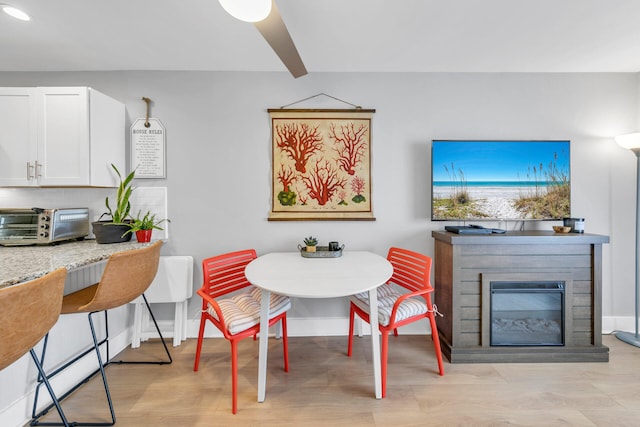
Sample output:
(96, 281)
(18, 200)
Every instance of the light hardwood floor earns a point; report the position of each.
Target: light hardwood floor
(324, 387)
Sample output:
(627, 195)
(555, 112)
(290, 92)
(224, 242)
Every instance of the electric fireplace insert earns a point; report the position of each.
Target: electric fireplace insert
(527, 313)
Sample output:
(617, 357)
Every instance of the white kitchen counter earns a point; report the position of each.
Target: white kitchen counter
(23, 263)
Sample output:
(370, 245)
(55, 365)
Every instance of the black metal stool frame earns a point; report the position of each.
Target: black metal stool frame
(43, 378)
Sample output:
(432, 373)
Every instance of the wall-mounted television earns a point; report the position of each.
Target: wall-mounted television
(500, 180)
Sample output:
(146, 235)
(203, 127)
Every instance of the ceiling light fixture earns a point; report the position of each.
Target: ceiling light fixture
(14, 12)
(247, 10)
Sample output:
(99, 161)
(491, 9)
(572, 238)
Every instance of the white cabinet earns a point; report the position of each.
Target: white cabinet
(60, 136)
(17, 135)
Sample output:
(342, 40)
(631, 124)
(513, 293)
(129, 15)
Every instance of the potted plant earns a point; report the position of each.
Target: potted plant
(144, 226)
(115, 230)
(310, 243)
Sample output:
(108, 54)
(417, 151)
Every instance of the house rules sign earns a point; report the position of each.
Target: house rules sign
(148, 156)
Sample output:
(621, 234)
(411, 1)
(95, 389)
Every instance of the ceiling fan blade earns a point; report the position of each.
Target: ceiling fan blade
(276, 34)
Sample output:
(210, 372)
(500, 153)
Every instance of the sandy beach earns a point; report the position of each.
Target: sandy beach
(496, 202)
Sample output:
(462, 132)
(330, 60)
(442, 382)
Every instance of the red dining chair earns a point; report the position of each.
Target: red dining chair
(232, 304)
(411, 272)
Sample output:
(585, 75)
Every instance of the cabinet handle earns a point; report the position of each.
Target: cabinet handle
(38, 170)
(29, 175)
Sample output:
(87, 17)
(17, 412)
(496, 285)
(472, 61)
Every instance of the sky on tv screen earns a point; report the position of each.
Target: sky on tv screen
(497, 160)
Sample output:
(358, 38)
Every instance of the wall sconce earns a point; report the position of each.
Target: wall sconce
(632, 142)
(247, 10)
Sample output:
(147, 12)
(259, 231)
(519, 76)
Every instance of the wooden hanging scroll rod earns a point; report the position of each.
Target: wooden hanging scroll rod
(148, 101)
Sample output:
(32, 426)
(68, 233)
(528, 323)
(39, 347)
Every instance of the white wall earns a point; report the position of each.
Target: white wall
(218, 168)
(218, 151)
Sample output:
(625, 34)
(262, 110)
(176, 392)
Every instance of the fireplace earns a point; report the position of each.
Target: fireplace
(526, 309)
(567, 268)
(527, 313)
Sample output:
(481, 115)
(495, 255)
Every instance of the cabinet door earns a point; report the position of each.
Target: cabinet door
(63, 136)
(17, 136)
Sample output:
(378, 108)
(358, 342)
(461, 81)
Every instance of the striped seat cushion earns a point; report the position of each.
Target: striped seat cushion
(387, 296)
(242, 310)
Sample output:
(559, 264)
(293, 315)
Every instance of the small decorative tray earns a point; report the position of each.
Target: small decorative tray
(321, 252)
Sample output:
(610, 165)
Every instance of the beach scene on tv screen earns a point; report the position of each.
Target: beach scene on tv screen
(500, 180)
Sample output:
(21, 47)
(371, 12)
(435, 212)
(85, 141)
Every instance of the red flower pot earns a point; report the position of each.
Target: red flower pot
(143, 236)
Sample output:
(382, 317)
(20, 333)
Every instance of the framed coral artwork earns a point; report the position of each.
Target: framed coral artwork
(321, 164)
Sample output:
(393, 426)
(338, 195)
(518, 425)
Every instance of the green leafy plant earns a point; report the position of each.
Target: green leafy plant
(310, 241)
(120, 211)
(146, 222)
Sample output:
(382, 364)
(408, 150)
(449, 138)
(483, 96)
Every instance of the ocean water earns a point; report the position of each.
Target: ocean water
(508, 184)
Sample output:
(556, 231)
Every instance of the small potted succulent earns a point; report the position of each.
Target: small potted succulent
(143, 226)
(310, 243)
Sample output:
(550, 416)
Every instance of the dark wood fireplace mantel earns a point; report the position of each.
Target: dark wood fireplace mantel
(464, 262)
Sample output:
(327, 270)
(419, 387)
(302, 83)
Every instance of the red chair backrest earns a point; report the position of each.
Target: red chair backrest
(224, 274)
(411, 270)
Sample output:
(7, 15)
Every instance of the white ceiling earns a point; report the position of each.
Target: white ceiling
(331, 35)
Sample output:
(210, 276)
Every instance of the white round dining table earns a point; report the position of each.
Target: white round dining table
(289, 273)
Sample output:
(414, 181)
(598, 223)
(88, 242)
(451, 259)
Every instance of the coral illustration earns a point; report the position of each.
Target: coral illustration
(323, 182)
(299, 142)
(286, 197)
(350, 144)
(342, 195)
(357, 186)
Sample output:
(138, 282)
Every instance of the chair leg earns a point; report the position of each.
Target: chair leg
(48, 386)
(164, 343)
(436, 343)
(199, 346)
(285, 343)
(351, 321)
(234, 376)
(104, 376)
(383, 362)
(43, 379)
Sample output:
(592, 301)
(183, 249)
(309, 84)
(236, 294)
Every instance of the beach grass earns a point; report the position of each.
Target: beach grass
(551, 202)
(450, 208)
(459, 203)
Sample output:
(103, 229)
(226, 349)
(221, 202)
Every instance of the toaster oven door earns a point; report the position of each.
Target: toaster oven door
(18, 227)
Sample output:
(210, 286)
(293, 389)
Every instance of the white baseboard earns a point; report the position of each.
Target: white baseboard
(339, 326)
(314, 327)
(612, 324)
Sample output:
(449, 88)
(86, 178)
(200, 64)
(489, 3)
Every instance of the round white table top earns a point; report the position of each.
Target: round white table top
(288, 273)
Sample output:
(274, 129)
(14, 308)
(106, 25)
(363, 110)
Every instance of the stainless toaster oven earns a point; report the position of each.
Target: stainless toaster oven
(38, 226)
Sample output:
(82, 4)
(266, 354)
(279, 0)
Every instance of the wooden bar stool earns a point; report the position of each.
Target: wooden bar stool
(126, 276)
(27, 312)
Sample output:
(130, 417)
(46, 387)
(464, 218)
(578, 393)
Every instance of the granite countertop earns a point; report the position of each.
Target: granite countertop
(23, 263)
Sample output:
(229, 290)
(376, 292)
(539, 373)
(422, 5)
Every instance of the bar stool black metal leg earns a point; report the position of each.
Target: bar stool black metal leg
(104, 376)
(166, 349)
(43, 376)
